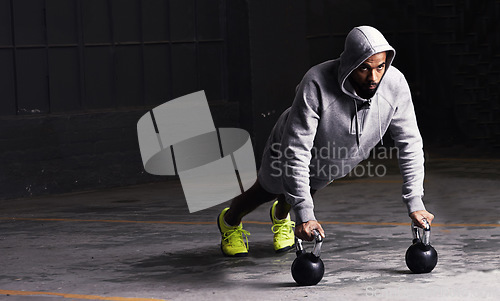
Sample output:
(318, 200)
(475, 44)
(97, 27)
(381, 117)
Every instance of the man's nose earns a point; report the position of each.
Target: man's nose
(373, 75)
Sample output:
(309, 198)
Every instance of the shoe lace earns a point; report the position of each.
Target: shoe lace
(283, 228)
(235, 234)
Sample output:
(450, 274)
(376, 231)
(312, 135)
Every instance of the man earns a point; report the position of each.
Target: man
(343, 106)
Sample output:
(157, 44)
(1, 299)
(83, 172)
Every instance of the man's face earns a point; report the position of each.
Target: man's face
(366, 77)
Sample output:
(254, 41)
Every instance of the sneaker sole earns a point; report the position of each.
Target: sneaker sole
(284, 249)
(227, 255)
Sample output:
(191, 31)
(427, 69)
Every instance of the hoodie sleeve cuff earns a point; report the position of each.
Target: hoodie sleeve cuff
(414, 204)
(303, 214)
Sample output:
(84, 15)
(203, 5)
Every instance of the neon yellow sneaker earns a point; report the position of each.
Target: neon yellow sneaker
(232, 242)
(284, 237)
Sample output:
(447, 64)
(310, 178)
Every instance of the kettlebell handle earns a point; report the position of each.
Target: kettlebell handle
(425, 238)
(318, 241)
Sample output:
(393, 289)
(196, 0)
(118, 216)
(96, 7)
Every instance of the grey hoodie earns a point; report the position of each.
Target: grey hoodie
(328, 129)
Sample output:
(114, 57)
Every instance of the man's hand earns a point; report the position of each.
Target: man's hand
(418, 217)
(304, 231)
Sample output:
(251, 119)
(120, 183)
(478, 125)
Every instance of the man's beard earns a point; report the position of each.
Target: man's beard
(364, 91)
(367, 93)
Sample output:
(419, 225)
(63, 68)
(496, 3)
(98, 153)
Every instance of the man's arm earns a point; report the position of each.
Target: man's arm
(404, 130)
(296, 144)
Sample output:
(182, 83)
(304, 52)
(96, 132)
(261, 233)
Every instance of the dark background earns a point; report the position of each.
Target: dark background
(76, 75)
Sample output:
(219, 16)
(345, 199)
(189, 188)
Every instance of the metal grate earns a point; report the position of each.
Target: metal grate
(85, 55)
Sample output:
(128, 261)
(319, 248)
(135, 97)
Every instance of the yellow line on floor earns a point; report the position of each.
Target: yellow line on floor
(465, 159)
(245, 222)
(407, 224)
(103, 221)
(361, 180)
(73, 296)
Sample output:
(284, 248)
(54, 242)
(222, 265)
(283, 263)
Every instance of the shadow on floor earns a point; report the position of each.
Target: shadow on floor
(204, 267)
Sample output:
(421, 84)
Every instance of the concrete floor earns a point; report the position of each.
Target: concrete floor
(141, 243)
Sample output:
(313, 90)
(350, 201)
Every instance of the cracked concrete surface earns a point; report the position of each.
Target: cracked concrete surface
(142, 242)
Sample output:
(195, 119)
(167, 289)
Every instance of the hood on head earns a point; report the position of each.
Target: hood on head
(361, 43)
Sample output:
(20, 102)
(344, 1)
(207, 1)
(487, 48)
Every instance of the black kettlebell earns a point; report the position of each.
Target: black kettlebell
(421, 257)
(308, 268)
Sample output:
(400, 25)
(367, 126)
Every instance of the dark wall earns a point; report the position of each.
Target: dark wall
(73, 56)
(460, 93)
(448, 50)
(278, 60)
(72, 152)
(77, 74)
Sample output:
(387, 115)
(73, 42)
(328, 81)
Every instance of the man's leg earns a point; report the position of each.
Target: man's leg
(233, 237)
(229, 221)
(253, 198)
(282, 208)
(284, 237)
(246, 203)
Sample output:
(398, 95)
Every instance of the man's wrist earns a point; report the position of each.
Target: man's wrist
(414, 204)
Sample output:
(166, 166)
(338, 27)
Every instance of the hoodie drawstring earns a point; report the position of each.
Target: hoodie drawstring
(357, 122)
(379, 124)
